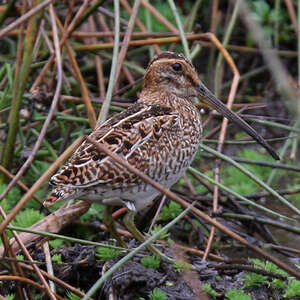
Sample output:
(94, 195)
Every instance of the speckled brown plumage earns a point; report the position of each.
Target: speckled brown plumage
(159, 135)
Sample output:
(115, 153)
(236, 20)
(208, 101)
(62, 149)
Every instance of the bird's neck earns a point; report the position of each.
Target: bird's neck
(165, 98)
(189, 116)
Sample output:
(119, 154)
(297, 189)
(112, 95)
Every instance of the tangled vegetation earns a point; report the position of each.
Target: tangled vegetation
(47, 104)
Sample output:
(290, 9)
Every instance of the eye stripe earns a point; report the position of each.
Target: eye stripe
(169, 55)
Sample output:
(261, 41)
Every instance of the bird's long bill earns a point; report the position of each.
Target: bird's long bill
(205, 95)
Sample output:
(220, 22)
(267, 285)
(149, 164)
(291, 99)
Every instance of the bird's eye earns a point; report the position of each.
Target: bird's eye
(177, 67)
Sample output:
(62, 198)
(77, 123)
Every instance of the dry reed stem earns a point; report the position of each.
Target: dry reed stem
(200, 253)
(15, 267)
(24, 17)
(28, 256)
(107, 33)
(128, 8)
(160, 17)
(290, 8)
(19, 183)
(66, 34)
(105, 28)
(84, 90)
(214, 16)
(243, 49)
(127, 38)
(167, 40)
(57, 281)
(39, 183)
(49, 265)
(139, 24)
(283, 248)
(24, 59)
(189, 275)
(233, 89)
(53, 223)
(29, 281)
(98, 60)
(70, 13)
(176, 39)
(51, 111)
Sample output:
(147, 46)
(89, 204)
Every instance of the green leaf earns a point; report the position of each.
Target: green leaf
(237, 295)
(170, 211)
(36, 169)
(278, 283)
(157, 228)
(56, 243)
(257, 262)
(27, 217)
(293, 289)
(254, 280)
(106, 253)
(13, 196)
(240, 182)
(151, 261)
(157, 294)
(56, 258)
(207, 288)
(94, 211)
(20, 257)
(271, 267)
(181, 265)
(72, 296)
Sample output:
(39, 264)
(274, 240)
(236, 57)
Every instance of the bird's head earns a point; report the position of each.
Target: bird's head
(172, 72)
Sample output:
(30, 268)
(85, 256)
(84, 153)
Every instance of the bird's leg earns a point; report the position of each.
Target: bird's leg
(109, 222)
(129, 223)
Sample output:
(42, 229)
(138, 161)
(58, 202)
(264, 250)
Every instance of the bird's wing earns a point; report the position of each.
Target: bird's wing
(132, 134)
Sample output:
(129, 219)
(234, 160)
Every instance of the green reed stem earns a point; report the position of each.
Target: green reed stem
(19, 88)
(184, 42)
(252, 176)
(236, 195)
(225, 42)
(112, 77)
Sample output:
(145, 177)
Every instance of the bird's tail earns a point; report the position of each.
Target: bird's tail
(61, 193)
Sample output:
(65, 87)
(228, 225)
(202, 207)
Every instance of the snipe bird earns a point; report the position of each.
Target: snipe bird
(159, 135)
